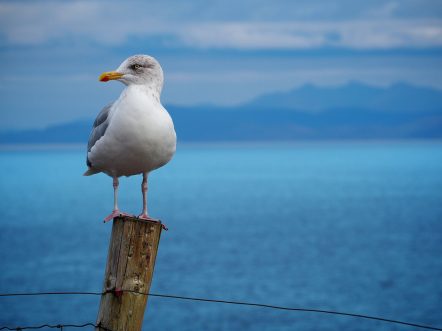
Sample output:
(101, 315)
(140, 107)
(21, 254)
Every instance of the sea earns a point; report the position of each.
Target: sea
(352, 227)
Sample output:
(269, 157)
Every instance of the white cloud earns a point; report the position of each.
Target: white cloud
(25, 23)
(361, 34)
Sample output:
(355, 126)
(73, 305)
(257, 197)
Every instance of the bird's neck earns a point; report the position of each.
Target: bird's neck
(152, 91)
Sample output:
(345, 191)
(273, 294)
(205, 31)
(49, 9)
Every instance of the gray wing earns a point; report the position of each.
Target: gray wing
(99, 128)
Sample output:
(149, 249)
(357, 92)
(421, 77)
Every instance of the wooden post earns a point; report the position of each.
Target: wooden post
(130, 264)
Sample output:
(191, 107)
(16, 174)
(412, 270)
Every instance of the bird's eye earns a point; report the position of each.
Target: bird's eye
(136, 66)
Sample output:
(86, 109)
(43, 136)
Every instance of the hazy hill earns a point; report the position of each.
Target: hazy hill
(400, 96)
(352, 111)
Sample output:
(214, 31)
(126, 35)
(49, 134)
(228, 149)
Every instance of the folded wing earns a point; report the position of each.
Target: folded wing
(99, 129)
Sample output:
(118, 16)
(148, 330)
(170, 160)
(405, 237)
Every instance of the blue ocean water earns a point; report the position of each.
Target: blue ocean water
(354, 227)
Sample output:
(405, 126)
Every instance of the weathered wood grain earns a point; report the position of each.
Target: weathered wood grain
(130, 265)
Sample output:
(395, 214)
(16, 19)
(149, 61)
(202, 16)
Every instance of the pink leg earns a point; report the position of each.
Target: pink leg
(144, 215)
(116, 212)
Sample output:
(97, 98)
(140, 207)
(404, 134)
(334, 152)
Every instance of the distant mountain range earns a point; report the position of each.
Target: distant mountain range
(398, 97)
(352, 111)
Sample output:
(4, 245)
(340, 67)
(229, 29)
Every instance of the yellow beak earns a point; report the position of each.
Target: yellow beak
(111, 75)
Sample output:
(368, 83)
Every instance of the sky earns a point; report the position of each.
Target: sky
(212, 52)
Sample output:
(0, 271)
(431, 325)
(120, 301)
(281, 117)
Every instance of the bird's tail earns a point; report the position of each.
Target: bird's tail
(90, 171)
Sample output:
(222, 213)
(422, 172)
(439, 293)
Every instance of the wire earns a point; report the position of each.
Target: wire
(119, 292)
(58, 326)
(49, 293)
(299, 309)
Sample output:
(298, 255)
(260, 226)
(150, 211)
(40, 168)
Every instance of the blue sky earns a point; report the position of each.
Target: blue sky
(213, 52)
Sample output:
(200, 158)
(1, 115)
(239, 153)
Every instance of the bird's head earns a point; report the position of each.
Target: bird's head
(137, 69)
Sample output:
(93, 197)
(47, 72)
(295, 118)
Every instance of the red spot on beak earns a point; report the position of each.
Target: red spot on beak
(110, 75)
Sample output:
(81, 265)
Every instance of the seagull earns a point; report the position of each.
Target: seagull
(134, 134)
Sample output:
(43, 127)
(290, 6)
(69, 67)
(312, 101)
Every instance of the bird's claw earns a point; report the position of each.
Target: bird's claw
(115, 213)
(147, 218)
